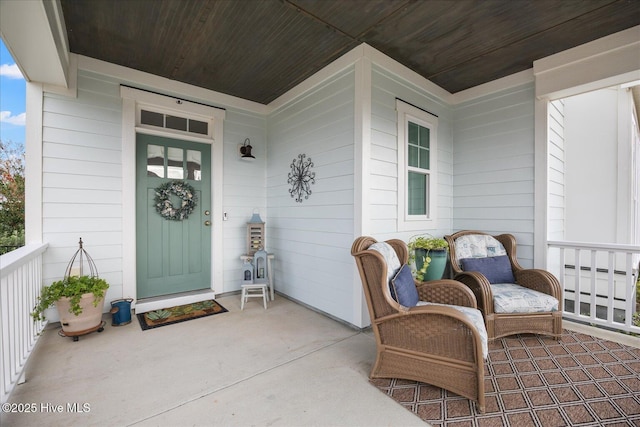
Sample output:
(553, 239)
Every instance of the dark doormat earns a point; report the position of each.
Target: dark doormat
(180, 313)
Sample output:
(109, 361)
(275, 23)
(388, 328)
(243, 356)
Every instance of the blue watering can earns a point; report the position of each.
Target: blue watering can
(121, 311)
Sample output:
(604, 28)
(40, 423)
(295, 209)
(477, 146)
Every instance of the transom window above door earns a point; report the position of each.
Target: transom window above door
(168, 121)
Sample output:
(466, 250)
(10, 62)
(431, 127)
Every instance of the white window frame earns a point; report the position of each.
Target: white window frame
(409, 113)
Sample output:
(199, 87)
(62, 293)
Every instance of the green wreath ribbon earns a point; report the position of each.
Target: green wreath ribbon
(163, 202)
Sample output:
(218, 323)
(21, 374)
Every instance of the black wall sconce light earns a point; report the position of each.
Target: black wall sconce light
(245, 151)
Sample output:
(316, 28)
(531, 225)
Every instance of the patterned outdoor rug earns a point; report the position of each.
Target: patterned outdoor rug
(537, 381)
(180, 313)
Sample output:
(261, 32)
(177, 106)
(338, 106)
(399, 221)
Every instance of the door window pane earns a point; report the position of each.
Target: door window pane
(155, 161)
(194, 165)
(175, 163)
(417, 195)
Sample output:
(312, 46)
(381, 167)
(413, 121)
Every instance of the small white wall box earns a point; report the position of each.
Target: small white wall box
(255, 234)
(247, 273)
(260, 267)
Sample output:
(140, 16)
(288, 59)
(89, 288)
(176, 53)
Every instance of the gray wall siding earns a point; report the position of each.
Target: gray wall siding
(383, 177)
(312, 240)
(493, 166)
(244, 188)
(82, 179)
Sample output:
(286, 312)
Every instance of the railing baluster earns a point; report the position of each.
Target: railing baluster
(601, 283)
(577, 290)
(630, 292)
(611, 293)
(20, 284)
(594, 284)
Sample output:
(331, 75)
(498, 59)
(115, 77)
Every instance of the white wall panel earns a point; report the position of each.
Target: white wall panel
(556, 198)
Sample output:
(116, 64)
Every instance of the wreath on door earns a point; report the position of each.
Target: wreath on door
(165, 207)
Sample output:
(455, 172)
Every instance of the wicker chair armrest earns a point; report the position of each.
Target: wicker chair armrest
(432, 329)
(446, 292)
(539, 280)
(480, 287)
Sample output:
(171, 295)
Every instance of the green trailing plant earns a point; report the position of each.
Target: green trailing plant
(428, 243)
(72, 287)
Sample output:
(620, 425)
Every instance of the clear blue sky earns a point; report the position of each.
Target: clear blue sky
(12, 99)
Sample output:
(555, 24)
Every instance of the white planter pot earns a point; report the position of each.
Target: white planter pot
(89, 319)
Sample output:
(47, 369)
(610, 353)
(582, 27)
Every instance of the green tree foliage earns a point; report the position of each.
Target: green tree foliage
(12, 162)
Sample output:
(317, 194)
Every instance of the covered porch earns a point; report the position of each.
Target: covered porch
(287, 365)
(237, 368)
(245, 368)
(493, 170)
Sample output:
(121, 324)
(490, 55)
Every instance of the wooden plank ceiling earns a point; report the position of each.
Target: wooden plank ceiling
(259, 49)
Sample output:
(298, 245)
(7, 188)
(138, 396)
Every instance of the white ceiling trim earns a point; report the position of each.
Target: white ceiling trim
(611, 60)
(35, 34)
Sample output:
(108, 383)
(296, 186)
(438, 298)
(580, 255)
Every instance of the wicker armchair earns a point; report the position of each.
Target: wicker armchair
(500, 324)
(434, 344)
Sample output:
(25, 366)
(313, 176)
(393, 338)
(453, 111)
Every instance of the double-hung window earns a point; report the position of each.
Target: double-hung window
(416, 168)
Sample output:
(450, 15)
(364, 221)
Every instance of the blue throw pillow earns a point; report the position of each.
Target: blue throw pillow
(496, 269)
(403, 288)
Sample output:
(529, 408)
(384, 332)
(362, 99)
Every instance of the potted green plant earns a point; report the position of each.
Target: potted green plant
(79, 300)
(429, 254)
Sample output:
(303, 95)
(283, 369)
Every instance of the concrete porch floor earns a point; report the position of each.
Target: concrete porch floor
(284, 366)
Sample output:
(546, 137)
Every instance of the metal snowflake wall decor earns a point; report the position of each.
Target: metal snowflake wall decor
(301, 177)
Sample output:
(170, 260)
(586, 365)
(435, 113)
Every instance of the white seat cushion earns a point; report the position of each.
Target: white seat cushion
(512, 298)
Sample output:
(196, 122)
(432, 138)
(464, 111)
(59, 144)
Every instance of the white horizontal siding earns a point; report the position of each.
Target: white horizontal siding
(312, 240)
(493, 166)
(244, 188)
(82, 179)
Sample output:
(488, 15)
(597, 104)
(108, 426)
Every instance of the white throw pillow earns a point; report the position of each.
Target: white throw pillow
(390, 256)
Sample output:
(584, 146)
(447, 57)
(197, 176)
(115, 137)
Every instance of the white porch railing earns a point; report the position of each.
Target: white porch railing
(599, 282)
(20, 286)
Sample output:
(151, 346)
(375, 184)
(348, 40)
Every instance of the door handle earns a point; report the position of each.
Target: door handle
(207, 223)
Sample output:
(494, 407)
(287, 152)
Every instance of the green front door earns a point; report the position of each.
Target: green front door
(173, 256)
